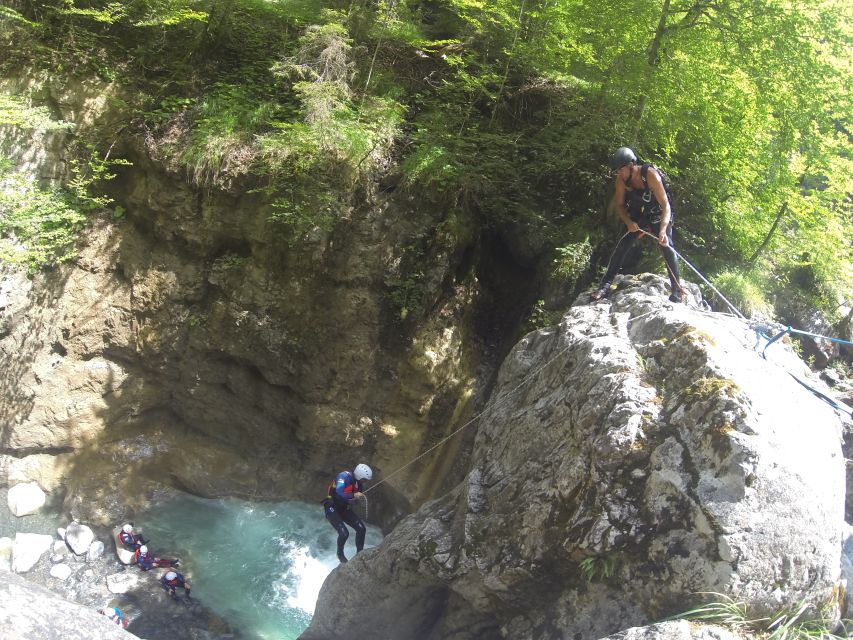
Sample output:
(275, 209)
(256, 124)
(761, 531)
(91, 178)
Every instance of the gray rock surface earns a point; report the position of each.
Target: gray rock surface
(61, 571)
(636, 454)
(96, 550)
(675, 630)
(79, 537)
(27, 550)
(31, 612)
(25, 498)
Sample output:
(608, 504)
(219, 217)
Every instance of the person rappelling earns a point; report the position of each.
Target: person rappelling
(644, 204)
(346, 489)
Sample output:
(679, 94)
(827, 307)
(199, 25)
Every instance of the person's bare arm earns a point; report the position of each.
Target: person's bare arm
(620, 206)
(657, 189)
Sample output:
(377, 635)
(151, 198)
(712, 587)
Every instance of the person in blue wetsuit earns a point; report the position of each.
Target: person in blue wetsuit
(129, 539)
(343, 491)
(115, 616)
(147, 561)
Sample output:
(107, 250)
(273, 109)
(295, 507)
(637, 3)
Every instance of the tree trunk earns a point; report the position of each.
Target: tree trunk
(763, 246)
(654, 50)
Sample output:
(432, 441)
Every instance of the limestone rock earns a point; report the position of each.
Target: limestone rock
(22, 615)
(122, 582)
(47, 470)
(675, 630)
(96, 550)
(27, 549)
(636, 454)
(60, 571)
(25, 498)
(5, 554)
(79, 537)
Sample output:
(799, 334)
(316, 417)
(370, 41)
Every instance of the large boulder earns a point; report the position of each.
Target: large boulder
(28, 549)
(31, 612)
(634, 456)
(79, 537)
(25, 498)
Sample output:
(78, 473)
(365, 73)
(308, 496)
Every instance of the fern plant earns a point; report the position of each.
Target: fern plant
(598, 567)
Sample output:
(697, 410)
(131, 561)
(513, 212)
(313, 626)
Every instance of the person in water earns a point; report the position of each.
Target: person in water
(344, 490)
(173, 580)
(129, 539)
(114, 614)
(147, 561)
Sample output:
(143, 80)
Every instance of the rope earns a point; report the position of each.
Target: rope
(536, 372)
(496, 403)
(703, 278)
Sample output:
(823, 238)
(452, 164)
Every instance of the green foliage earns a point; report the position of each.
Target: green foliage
(37, 226)
(84, 176)
(16, 112)
(746, 290)
(598, 567)
(803, 621)
(572, 259)
(540, 317)
(506, 110)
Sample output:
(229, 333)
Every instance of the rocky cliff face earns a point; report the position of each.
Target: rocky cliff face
(635, 455)
(31, 612)
(191, 346)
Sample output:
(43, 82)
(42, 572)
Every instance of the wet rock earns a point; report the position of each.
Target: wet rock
(25, 498)
(27, 549)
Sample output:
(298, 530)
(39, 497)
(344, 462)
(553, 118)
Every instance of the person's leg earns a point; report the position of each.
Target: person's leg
(615, 264)
(671, 263)
(355, 522)
(343, 533)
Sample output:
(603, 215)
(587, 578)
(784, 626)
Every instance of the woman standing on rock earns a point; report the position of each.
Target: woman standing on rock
(643, 203)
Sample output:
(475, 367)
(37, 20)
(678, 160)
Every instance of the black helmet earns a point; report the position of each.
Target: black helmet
(623, 156)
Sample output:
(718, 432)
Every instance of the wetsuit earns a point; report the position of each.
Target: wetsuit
(117, 617)
(174, 583)
(337, 506)
(146, 561)
(645, 210)
(131, 540)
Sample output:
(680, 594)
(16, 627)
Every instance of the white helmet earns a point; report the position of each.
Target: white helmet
(171, 575)
(127, 528)
(143, 549)
(363, 472)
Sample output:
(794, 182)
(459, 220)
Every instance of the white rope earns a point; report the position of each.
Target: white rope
(496, 403)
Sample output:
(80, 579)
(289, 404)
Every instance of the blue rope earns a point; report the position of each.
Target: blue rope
(817, 335)
(798, 331)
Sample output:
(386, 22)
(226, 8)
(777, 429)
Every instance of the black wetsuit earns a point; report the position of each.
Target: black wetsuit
(645, 210)
(337, 508)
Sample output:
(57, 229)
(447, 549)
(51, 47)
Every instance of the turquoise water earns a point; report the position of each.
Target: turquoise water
(258, 565)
